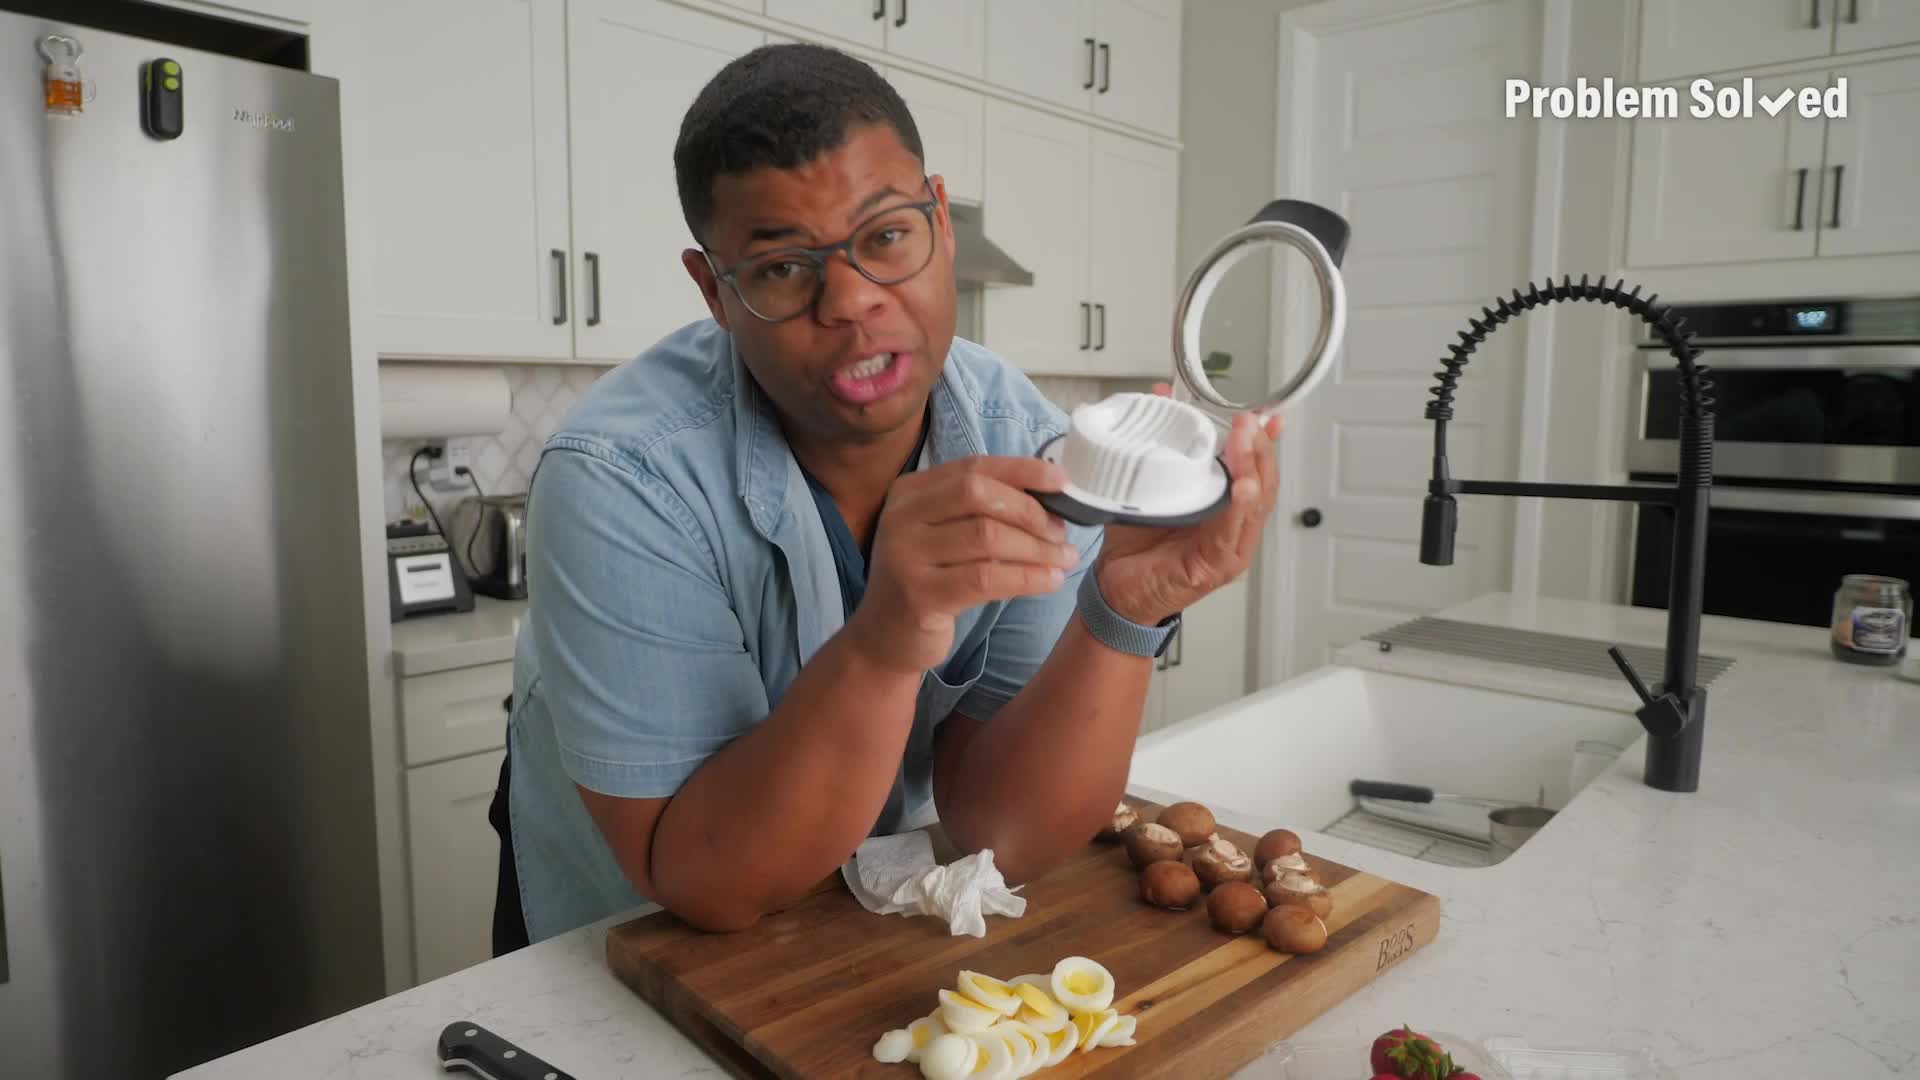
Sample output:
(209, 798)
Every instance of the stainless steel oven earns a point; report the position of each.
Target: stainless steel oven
(1816, 452)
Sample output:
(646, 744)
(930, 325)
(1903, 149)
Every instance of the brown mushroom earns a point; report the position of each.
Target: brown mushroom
(1302, 891)
(1219, 861)
(1236, 907)
(1169, 884)
(1124, 818)
(1274, 869)
(1275, 844)
(1293, 929)
(1150, 842)
(1192, 821)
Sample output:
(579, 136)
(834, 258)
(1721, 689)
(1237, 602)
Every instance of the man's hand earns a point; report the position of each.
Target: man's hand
(951, 538)
(1149, 574)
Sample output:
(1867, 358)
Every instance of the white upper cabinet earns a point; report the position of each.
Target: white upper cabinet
(949, 34)
(1036, 199)
(950, 120)
(1131, 254)
(630, 288)
(1689, 37)
(258, 12)
(863, 22)
(1706, 191)
(1045, 50)
(469, 208)
(1876, 24)
(1870, 193)
(1137, 54)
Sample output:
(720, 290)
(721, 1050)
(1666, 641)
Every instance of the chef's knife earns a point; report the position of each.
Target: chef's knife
(465, 1045)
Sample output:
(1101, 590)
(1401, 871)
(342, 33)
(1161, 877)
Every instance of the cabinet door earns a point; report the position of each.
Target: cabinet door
(1133, 187)
(1207, 664)
(470, 208)
(1036, 192)
(951, 34)
(1876, 24)
(1153, 714)
(1138, 61)
(1692, 37)
(1042, 49)
(950, 119)
(274, 13)
(635, 67)
(863, 22)
(1868, 202)
(449, 714)
(454, 862)
(1713, 191)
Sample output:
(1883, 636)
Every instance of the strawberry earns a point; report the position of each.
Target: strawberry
(1405, 1054)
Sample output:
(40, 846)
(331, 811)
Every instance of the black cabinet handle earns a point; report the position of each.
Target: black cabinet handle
(1088, 85)
(1837, 171)
(560, 287)
(1800, 201)
(1310, 517)
(3, 936)
(1853, 12)
(879, 10)
(1101, 310)
(593, 288)
(1106, 66)
(1086, 324)
(902, 20)
(1815, 24)
(1179, 644)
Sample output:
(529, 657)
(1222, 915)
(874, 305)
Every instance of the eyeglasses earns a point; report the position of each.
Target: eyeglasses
(886, 249)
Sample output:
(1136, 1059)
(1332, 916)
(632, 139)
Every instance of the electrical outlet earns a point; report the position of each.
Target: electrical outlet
(442, 475)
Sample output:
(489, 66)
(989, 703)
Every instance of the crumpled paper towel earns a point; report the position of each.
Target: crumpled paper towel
(898, 875)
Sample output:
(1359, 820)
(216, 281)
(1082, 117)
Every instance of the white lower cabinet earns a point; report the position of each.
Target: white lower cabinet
(1205, 666)
(454, 859)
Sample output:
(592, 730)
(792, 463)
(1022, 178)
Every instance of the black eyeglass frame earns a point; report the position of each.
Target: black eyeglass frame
(818, 256)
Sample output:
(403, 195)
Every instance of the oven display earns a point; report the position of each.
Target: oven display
(1822, 319)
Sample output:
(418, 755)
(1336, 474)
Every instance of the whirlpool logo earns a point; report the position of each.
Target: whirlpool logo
(268, 121)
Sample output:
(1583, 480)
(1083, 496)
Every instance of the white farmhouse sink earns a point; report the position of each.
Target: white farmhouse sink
(1285, 755)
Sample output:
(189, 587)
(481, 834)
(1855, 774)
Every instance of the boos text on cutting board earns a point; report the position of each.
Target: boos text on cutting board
(1394, 947)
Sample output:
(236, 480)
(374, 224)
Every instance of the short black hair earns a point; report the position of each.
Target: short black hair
(778, 106)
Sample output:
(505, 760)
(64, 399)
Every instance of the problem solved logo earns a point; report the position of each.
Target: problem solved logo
(267, 121)
(1704, 100)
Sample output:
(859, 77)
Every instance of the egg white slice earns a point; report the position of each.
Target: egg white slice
(1037, 1043)
(922, 1032)
(1122, 1032)
(893, 1046)
(949, 1057)
(1082, 984)
(1039, 1010)
(998, 1055)
(1061, 1044)
(1019, 1048)
(989, 991)
(1097, 1027)
(963, 1015)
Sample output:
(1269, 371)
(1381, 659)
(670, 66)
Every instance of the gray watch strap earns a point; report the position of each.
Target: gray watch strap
(1116, 631)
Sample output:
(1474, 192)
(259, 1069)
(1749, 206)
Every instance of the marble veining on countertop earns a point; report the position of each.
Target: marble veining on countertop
(1767, 925)
(438, 642)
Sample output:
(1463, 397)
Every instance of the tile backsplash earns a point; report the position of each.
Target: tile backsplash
(542, 393)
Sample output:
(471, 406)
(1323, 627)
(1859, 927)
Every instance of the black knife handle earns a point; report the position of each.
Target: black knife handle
(465, 1045)
(1381, 789)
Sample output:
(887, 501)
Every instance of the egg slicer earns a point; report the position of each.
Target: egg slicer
(1146, 459)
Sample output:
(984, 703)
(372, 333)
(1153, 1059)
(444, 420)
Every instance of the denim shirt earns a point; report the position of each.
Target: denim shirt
(679, 575)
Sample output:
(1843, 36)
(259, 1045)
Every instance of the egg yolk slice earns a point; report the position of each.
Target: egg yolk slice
(990, 992)
(965, 1015)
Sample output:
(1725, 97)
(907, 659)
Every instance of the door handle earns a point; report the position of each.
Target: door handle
(1310, 517)
(1088, 85)
(1101, 310)
(560, 287)
(902, 20)
(1086, 324)
(879, 10)
(1106, 66)
(593, 288)
(1837, 171)
(1800, 201)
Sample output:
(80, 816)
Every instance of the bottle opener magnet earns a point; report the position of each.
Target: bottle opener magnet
(66, 93)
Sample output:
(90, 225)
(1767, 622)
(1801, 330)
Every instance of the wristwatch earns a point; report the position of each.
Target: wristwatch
(1115, 630)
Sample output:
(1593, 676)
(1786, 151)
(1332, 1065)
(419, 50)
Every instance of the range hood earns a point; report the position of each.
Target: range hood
(976, 259)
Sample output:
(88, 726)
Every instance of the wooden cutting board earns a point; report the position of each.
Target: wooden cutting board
(807, 991)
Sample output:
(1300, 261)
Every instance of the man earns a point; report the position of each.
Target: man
(789, 585)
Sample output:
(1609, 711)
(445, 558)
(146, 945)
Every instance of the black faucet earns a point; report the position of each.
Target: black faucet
(1676, 717)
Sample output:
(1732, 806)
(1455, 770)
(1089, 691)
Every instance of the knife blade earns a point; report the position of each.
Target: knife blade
(466, 1046)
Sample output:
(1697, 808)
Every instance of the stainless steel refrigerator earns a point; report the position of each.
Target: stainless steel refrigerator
(186, 808)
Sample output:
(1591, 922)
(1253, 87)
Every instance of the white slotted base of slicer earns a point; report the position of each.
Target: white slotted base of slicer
(1139, 459)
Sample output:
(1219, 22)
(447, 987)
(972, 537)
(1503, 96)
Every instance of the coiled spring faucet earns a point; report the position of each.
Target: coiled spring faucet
(1675, 718)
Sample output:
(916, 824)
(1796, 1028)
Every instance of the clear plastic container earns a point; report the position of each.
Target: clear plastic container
(1500, 1058)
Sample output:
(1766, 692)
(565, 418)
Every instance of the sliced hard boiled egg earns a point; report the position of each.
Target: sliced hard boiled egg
(1094, 1027)
(949, 1057)
(893, 1046)
(963, 1015)
(923, 1031)
(1019, 1047)
(1037, 1044)
(996, 1057)
(1060, 1044)
(1043, 982)
(1122, 1032)
(990, 992)
(1044, 1025)
(1082, 985)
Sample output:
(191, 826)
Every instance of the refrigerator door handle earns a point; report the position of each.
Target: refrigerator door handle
(3, 931)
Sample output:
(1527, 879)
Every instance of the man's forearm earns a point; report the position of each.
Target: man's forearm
(1040, 778)
(780, 807)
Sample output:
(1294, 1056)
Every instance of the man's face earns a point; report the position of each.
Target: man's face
(819, 367)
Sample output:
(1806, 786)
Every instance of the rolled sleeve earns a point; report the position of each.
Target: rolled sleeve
(1024, 634)
(643, 663)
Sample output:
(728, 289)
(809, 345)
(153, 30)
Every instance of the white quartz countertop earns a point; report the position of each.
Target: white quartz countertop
(455, 639)
(1767, 925)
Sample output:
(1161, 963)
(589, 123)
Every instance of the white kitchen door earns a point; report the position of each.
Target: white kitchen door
(1393, 125)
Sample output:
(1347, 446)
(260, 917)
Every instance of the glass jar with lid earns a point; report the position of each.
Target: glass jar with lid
(1871, 617)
